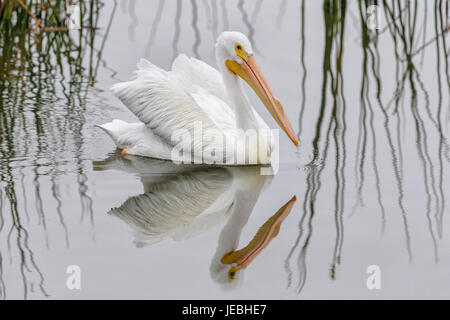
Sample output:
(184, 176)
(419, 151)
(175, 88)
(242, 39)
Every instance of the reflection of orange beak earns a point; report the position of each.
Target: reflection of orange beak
(269, 230)
(250, 72)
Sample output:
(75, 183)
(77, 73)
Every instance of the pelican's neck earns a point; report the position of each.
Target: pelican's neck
(245, 117)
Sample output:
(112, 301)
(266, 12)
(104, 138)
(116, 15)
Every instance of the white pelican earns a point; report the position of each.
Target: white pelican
(183, 201)
(193, 92)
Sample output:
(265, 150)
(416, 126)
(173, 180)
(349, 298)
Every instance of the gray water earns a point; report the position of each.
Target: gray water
(371, 173)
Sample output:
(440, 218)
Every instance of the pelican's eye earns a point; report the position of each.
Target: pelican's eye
(231, 275)
(240, 52)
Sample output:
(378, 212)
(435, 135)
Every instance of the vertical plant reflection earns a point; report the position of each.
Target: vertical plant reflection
(194, 22)
(426, 124)
(408, 113)
(46, 72)
(155, 25)
(330, 126)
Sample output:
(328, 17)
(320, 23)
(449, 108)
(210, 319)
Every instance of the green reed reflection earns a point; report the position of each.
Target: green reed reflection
(46, 71)
(331, 127)
(408, 107)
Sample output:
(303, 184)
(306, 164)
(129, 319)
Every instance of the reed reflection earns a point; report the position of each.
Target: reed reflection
(194, 22)
(180, 202)
(155, 25)
(45, 74)
(330, 125)
(428, 127)
(408, 115)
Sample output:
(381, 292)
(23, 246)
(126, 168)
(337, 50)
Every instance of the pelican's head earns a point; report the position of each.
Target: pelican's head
(234, 54)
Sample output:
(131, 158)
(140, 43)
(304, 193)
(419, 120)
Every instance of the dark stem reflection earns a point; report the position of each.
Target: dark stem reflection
(46, 71)
(409, 105)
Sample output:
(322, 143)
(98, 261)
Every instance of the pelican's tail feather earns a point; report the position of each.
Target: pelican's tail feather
(137, 139)
(116, 129)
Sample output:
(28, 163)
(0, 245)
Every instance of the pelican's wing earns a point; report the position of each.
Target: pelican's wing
(196, 73)
(166, 104)
(206, 87)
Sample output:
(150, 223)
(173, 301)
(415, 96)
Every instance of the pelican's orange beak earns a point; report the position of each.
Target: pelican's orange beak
(250, 72)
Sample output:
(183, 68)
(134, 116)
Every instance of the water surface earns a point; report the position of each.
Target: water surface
(371, 175)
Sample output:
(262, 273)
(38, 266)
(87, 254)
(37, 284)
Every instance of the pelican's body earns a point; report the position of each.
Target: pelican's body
(198, 110)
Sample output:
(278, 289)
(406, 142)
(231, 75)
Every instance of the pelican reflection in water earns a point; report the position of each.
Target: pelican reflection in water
(183, 201)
